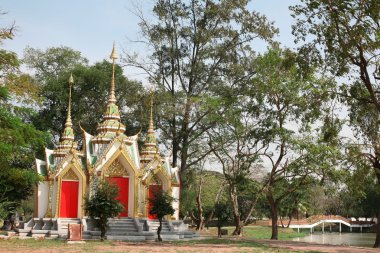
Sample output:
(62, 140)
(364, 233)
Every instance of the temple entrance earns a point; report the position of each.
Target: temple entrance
(153, 189)
(69, 199)
(123, 185)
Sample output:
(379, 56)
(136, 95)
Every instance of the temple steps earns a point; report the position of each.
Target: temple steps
(155, 224)
(124, 229)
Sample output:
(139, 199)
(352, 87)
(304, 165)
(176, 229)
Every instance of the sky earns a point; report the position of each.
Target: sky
(91, 26)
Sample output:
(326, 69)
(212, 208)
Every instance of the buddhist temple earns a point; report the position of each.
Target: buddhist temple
(70, 173)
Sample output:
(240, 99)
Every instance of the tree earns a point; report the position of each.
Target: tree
(49, 64)
(161, 204)
(345, 35)
(103, 205)
(196, 44)
(236, 149)
(222, 214)
(91, 86)
(19, 140)
(205, 188)
(289, 100)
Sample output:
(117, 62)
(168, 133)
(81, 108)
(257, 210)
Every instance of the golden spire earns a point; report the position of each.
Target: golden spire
(113, 56)
(111, 125)
(67, 138)
(151, 126)
(68, 120)
(150, 148)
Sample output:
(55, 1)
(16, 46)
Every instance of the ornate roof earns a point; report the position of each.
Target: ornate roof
(67, 138)
(150, 148)
(111, 125)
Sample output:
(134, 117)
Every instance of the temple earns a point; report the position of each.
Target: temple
(70, 173)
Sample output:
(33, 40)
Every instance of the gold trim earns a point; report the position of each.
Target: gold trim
(124, 153)
(116, 169)
(70, 175)
(75, 166)
(152, 177)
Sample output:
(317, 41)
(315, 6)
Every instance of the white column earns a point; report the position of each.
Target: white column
(340, 227)
(323, 227)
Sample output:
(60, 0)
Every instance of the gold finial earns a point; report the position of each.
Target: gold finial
(68, 120)
(71, 79)
(113, 53)
(113, 56)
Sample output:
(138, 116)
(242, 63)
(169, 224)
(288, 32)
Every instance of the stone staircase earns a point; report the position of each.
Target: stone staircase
(124, 229)
(62, 225)
(154, 224)
(127, 229)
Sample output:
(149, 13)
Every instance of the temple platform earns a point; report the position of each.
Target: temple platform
(123, 229)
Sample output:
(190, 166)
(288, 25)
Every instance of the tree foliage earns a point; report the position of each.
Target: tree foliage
(345, 35)
(161, 205)
(196, 45)
(19, 140)
(91, 86)
(103, 205)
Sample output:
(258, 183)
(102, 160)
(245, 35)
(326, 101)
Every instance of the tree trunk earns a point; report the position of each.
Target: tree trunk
(236, 213)
(159, 230)
(377, 241)
(290, 220)
(209, 218)
(282, 224)
(273, 212)
(199, 205)
(219, 231)
(193, 219)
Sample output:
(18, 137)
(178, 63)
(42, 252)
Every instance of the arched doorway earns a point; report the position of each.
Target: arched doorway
(122, 184)
(118, 175)
(69, 195)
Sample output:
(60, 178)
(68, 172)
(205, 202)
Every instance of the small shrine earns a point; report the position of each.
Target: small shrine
(70, 173)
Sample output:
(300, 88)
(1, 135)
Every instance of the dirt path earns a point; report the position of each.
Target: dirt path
(303, 246)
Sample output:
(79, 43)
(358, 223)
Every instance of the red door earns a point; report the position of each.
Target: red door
(69, 199)
(123, 185)
(153, 189)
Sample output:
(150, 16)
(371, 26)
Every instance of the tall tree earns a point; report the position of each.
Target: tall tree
(236, 146)
(19, 140)
(290, 100)
(52, 62)
(195, 45)
(345, 34)
(52, 69)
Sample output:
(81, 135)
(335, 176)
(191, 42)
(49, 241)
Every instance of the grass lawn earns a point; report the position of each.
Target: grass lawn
(259, 232)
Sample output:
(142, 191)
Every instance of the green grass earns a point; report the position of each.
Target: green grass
(259, 232)
(256, 247)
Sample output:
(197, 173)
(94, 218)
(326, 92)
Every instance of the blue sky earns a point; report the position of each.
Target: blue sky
(91, 26)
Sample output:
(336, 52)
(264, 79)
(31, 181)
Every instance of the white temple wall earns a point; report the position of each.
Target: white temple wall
(43, 189)
(175, 204)
(54, 197)
(131, 194)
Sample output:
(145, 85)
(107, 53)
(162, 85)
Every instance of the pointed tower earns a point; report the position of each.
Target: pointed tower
(67, 138)
(111, 125)
(150, 148)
